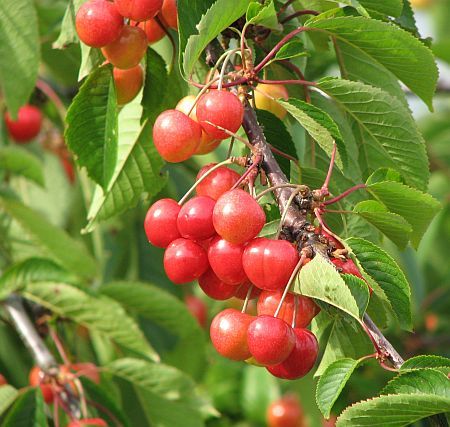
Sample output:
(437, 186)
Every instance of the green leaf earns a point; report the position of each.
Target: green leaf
(68, 33)
(8, 395)
(28, 411)
(264, 15)
(100, 314)
(91, 132)
(270, 229)
(21, 162)
(292, 49)
(155, 85)
(332, 382)
(319, 125)
(387, 7)
(395, 49)
(91, 59)
(389, 135)
(392, 225)
(393, 410)
(426, 361)
(218, 17)
(19, 50)
(385, 271)
(71, 254)
(416, 207)
(359, 290)
(384, 174)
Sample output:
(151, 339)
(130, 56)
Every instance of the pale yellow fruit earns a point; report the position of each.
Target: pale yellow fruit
(421, 4)
(264, 102)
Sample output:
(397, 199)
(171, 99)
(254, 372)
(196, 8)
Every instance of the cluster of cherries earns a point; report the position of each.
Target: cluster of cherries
(123, 29)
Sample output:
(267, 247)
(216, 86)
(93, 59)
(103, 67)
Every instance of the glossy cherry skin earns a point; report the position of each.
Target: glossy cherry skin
(185, 261)
(197, 308)
(153, 31)
(128, 83)
(161, 223)
(238, 217)
(212, 286)
(98, 23)
(88, 422)
(169, 13)
(217, 182)
(263, 102)
(307, 309)
(37, 379)
(270, 340)
(285, 412)
(228, 333)
(222, 108)
(3, 380)
(225, 259)
(269, 263)
(128, 49)
(176, 136)
(195, 218)
(242, 291)
(347, 266)
(302, 358)
(27, 125)
(138, 10)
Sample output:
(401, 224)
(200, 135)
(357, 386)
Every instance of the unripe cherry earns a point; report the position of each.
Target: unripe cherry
(169, 13)
(27, 125)
(128, 49)
(307, 309)
(195, 218)
(88, 422)
(302, 358)
(269, 263)
(263, 102)
(161, 223)
(98, 23)
(153, 31)
(216, 289)
(285, 412)
(128, 83)
(238, 217)
(270, 340)
(228, 333)
(217, 182)
(221, 108)
(225, 259)
(185, 261)
(37, 379)
(197, 308)
(176, 136)
(138, 10)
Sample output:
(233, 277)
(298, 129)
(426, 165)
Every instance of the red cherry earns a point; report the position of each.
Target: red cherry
(170, 14)
(185, 261)
(88, 422)
(128, 49)
(138, 10)
(270, 340)
(217, 182)
(242, 291)
(98, 23)
(37, 379)
(269, 263)
(161, 223)
(153, 30)
(3, 380)
(88, 370)
(347, 266)
(307, 309)
(128, 83)
(197, 308)
(238, 217)
(27, 125)
(176, 136)
(285, 412)
(222, 108)
(225, 259)
(229, 334)
(195, 218)
(213, 287)
(302, 358)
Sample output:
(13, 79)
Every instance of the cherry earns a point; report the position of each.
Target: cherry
(221, 108)
(27, 125)
(213, 287)
(307, 309)
(195, 218)
(270, 340)
(229, 334)
(347, 266)
(238, 217)
(197, 308)
(216, 183)
(263, 102)
(98, 23)
(176, 136)
(242, 291)
(3, 380)
(161, 223)
(128, 49)
(185, 261)
(153, 30)
(88, 422)
(225, 259)
(269, 263)
(37, 379)
(128, 83)
(170, 14)
(302, 358)
(88, 370)
(138, 10)
(285, 412)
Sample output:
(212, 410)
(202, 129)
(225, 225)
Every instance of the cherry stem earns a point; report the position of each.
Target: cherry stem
(254, 165)
(283, 154)
(237, 82)
(59, 346)
(230, 148)
(275, 187)
(224, 67)
(244, 60)
(387, 368)
(325, 187)
(287, 82)
(56, 413)
(299, 13)
(322, 223)
(172, 41)
(49, 92)
(80, 390)
(247, 299)
(202, 91)
(344, 194)
(294, 316)
(338, 211)
(202, 178)
(285, 6)
(297, 191)
(232, 134)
